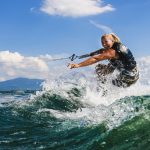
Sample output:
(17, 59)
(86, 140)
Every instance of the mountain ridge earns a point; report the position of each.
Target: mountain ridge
(21, 84)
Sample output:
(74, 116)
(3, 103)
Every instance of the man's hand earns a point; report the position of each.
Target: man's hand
(71, 66)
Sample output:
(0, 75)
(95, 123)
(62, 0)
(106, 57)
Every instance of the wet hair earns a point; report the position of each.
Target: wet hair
(114, 37)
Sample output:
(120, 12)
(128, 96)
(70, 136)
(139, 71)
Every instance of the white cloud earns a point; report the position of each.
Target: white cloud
(14, 65)
(8, 57)
(104, 28)
(74, 8)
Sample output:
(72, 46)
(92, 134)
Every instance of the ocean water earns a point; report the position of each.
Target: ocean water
(71, 114)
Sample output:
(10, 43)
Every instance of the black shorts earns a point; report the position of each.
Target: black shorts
(124, 79)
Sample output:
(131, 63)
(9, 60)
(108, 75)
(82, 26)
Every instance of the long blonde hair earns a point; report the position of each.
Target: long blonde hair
(114, 37)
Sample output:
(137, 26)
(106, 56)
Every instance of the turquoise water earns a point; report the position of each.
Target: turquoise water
(53, 121)
(71, 114)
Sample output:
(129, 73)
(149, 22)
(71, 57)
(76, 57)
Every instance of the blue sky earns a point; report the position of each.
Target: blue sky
(30, 28)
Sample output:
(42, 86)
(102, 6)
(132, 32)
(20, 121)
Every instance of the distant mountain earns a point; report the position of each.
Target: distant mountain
(21, 84)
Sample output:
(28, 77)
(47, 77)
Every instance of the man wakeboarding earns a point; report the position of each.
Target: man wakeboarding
(119, 57)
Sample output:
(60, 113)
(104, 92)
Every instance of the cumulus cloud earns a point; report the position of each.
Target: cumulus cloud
(8, 57)
(14, 65)
(76, 8)
(104, 28)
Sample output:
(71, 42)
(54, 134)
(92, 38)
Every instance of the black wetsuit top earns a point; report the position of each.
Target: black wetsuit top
(126, 60)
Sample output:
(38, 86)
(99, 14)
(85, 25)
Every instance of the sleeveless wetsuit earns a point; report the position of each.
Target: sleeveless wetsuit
(125, 64)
